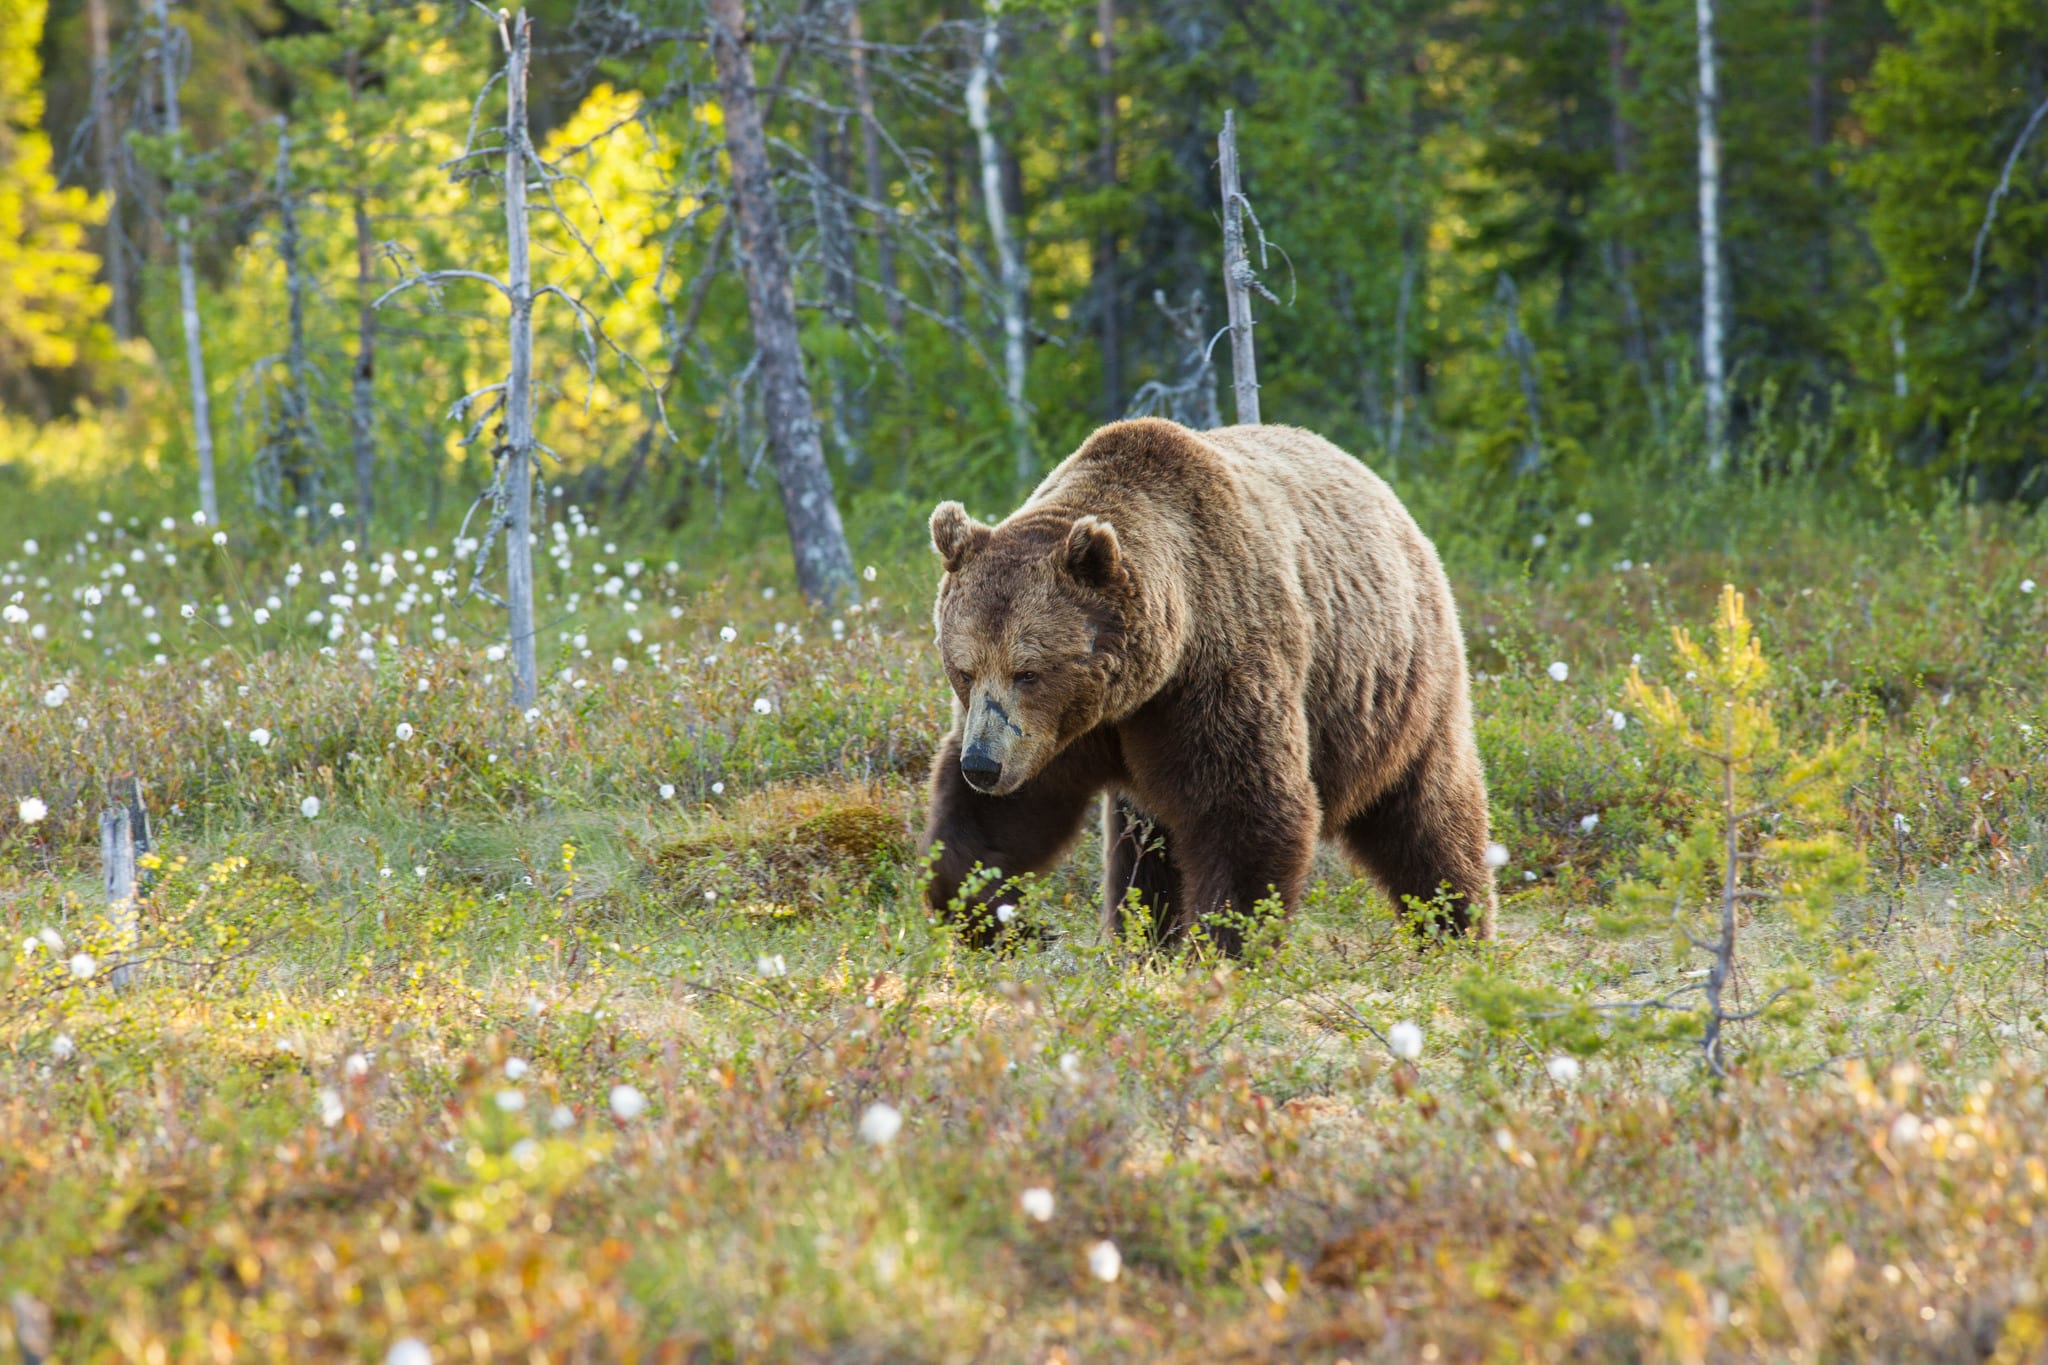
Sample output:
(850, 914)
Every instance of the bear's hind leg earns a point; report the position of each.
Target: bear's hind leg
(1427, 837)
(1137, 855)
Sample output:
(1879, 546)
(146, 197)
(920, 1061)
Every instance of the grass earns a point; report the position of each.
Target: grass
(567, 1036)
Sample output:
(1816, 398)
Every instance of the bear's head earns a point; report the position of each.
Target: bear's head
(1030, 623)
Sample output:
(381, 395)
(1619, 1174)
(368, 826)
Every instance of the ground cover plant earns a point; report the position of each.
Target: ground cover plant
(615, 1029)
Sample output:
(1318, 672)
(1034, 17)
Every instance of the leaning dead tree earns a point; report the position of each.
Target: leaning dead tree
(824, 564)
(510, 496)
(173, 53)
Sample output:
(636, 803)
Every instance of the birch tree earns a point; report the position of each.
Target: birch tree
(1014, 284)
(173, 52)
(824, 564)
(1713, 359)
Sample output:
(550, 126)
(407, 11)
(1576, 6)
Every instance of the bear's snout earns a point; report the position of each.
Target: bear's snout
(981, 768)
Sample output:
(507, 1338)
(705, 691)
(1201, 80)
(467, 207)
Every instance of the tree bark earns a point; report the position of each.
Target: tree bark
(519, 382)
(1713, 342)
(824, 564)
(1635, 337)
(871, 158)
(188, 278)
(1108, 287)
(1010, 268)
(1244, 369)
(362, 394)
(121, 309)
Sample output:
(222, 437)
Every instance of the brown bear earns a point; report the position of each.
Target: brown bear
(1239, 636)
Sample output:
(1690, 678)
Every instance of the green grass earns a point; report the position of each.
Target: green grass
(290, 1138)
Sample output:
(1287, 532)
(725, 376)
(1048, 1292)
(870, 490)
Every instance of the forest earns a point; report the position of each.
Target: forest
(468, 682)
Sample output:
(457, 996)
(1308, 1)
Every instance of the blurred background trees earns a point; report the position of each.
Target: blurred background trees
(1489, 214)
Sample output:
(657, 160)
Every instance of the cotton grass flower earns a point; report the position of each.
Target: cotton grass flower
(32, 810)
(763, 706)
(1037, 1204)
(1405, 1040)
(332, 1110)
(2026, 585)
(880, 1124)
(83, 967)
(407, 1350)
(627, 1103)
(1589, 823)
(516, 1068)
(668, 791)
(56, 696)
(1105, 1262)
(62, 1049)
(405, 731)
(1559, 671)
(260, 737)
(1563, 1069)
(511, 1101)
(310, 808)
(1496, 855)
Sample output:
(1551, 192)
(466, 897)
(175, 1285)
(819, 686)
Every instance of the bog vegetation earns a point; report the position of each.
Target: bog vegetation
(609, 1023)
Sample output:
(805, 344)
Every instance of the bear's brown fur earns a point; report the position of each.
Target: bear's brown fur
(1242, 634)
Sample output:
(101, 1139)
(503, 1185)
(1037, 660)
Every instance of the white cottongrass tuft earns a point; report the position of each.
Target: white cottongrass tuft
(62, 1049)
(771, 965)
(356, 1066)
(405, 731)
(1105, 1262)
(728, 634)
(407, 1350)
(1589, 823)
(310, 808)
(332, 1110)
(718, 789)
(1036, 1203)
(260, 737)
(1563, 1069)
(880, 1124)
(1617, 720)
(1496, 855)
(627, 1103)
(32, 810)
(511, 1101)
(1905, 1130)
(2026, 585)
(1584, 519)
(516, 1068)
(56, 696)
(1406, 1041)
(762, 706)
(1559, 671)
(668, 791)
(82, 966)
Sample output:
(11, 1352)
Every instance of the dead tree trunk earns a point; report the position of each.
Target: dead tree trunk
(1010, 268)
(519, 452)
(1237, 280)
(122, 304)
(871, 158)
(1713, 360)
(824, 564)
(361, 392)
(1108, 288)
(188, 279)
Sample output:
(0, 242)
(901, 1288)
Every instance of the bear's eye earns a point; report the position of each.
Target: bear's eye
(1026, 677)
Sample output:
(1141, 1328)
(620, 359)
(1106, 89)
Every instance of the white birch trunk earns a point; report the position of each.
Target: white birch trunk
(519, 382)
(188, 282)
(1713, 341)
(1008, 264)
(1237, 274)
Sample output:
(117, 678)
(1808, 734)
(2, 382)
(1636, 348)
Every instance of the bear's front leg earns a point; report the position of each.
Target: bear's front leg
(1009, 836)
(1232, 783)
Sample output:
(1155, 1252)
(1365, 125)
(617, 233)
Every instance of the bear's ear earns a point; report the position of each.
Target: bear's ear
(1092, 554)
(956, 536)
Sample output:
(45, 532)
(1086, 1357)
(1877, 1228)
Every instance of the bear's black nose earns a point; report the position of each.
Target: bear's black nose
(980, 769)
